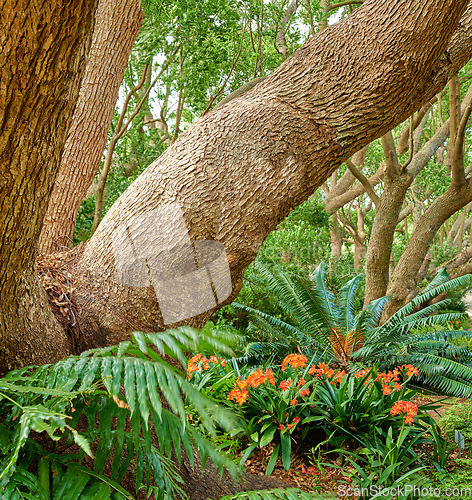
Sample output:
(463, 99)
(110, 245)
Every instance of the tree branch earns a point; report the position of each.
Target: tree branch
(343, 4)
(363, 180)
(388, 144)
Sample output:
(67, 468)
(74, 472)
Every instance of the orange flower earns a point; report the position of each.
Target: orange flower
(386, 390)
(305, 392)
(293, 402)
(294, 360)
(238, 395)
(256, 378)
(411, 370)
(409, 409)
(361, 374)
(196, 358)
(242, 384)
(285, 384)
(339, 376)
(269, 374)
(192, 367)
(320, 370)
(296, 420)
(398, 386)
(281, 427)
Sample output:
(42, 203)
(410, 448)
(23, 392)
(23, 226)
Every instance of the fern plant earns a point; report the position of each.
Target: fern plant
(329, 328)
(275, 494)
(119, 395)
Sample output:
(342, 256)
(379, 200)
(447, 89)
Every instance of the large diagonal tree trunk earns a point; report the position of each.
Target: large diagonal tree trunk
(44, 45)
(234, 174)
(116, 27)
(240, 169)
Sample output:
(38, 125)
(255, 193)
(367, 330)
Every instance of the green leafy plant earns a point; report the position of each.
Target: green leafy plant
(107, 401)
(297, 397)
(275, 494)
(330, 329)
(387, 461)
(458, 417)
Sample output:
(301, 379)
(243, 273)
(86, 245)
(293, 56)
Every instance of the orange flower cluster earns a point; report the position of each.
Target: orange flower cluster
(294, 360)
(258, 378)
(323, 370)
(303, 392)
(362, 373)
(240, 391)
(238, 394)
(411, 371)
(192, 365)
(285, 384)
(386, 379)
(409, 409)
(393, 376)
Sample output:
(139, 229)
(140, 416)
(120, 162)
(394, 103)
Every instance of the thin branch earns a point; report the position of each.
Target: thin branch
(280, 42)
(119, 132)
(405, 212)
(363, 180)
(410, 157)
(458, 126)
(119, 125)
(343, 4)
(220, 91)
(180, 104)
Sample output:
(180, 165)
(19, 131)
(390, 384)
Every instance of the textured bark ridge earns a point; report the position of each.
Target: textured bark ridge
(241, 168)
(116, 27)
(34, 120)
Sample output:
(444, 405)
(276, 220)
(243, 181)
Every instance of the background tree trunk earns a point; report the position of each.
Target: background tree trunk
(389, 211)
(240, 169)
(43, 42)
(116, 27)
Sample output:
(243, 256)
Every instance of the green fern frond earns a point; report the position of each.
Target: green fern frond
(345, 303)
(319, 278)
(275, 494)
(50, 398)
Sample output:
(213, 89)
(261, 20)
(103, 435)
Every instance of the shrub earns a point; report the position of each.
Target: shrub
(296, 397)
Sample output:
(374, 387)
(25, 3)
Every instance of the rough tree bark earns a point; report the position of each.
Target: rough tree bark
(240, 169)
(235, 173)
(117, 25)
(44, 47)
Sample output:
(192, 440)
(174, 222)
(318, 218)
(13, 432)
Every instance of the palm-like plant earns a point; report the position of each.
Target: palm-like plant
(329, 329)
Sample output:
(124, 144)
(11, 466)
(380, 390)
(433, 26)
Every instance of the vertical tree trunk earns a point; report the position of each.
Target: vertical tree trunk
(117, 25)
(51, 39)
(402, 286)
(336, 238)
(397, 182)
(381, 238)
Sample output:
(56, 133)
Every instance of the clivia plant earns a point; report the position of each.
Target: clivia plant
(276, 402)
